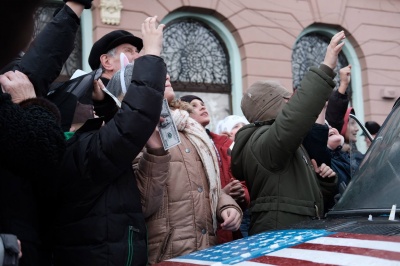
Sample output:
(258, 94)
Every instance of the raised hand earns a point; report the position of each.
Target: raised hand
(18, 85)
(333, 49)
(152, 36)
(345, 76)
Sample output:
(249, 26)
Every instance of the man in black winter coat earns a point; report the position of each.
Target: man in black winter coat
(98, 213)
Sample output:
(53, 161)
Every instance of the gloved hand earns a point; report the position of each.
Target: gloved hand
(86, 3)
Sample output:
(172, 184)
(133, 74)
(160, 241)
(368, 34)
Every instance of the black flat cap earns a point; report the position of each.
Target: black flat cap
(110, 41)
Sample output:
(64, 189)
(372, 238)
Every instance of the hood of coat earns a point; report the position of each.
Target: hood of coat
(264, 100)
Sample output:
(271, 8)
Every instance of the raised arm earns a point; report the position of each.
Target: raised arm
(339, 100)
(298, 115)
(43, 61)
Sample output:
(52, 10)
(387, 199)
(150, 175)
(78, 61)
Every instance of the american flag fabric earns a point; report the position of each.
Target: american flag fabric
(298, 247)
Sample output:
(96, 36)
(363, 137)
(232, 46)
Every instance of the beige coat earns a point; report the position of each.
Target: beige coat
(175, 200)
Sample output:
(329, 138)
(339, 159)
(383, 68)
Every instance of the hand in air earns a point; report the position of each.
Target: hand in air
(333, 49)
(152, 36)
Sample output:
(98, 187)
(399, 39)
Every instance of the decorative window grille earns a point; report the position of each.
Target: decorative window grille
(196, 58)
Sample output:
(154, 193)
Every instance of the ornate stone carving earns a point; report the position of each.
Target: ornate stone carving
(110, 11)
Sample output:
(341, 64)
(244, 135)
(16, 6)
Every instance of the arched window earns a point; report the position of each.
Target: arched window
(196, 58)
(44, 15)
(309, 51)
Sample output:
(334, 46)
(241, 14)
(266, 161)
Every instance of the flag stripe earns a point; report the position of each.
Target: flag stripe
(352, 250)
(272, 260)
(185, 262)
(369, 237)
(182, 262)
(331, 257)
(351, 242)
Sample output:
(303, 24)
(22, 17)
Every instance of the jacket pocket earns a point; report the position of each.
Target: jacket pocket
(137, 247)
(165, 244)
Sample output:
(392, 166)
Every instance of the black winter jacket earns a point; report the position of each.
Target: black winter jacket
(32, 145)
(99, 217)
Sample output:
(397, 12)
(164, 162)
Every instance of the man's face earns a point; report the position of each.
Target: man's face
(200, 113)
(129, 50)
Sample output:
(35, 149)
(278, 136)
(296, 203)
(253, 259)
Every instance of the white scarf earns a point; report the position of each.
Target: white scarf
(200, 140)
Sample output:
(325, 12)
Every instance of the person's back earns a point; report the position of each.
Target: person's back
(268, 154)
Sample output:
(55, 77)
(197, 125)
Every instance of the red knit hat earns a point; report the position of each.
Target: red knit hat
(349, 111)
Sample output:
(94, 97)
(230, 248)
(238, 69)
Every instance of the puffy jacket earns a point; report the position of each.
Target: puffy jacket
(99, 218)
(175, 195)
(283, 185)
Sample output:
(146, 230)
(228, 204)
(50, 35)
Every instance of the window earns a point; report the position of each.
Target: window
(196, 58)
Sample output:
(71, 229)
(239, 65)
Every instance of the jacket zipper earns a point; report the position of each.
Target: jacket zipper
(165, 244)
(131, 229)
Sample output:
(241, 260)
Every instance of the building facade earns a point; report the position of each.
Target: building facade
(237, 42)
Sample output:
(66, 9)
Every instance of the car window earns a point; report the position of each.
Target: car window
(376, 183)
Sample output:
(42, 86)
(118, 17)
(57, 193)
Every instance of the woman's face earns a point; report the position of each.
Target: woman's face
(200, 113)
(351, 132)
(235, 129)
(169, 93)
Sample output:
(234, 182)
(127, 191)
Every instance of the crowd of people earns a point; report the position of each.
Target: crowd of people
(84, 175)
